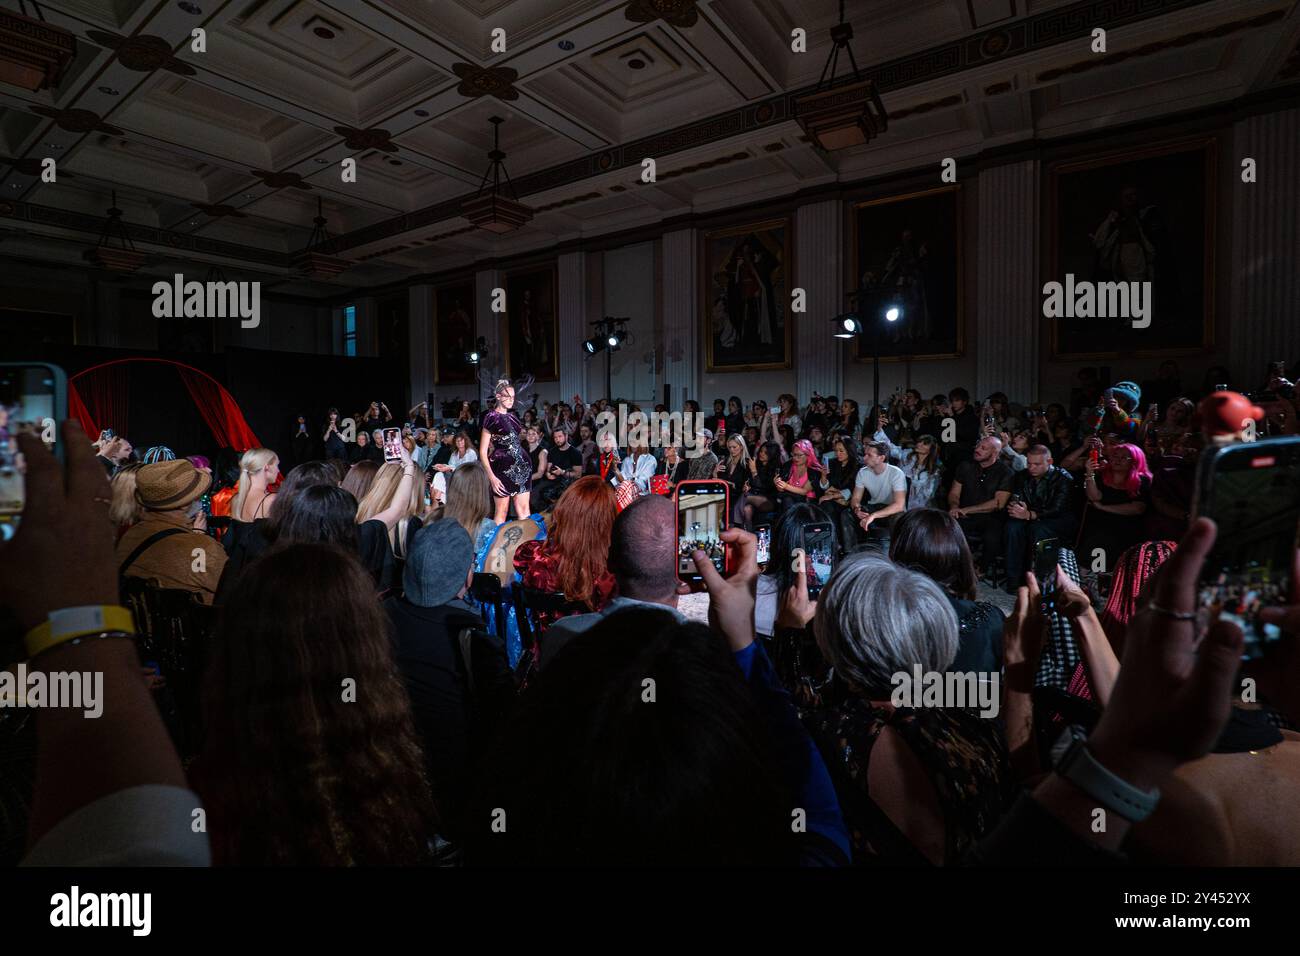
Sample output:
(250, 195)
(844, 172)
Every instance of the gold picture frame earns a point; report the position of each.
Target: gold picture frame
(742, 323)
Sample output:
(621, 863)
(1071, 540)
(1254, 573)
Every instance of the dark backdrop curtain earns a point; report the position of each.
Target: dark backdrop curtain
(104, 396)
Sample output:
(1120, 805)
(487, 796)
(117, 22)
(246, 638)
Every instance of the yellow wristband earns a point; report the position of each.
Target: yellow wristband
(68, 624)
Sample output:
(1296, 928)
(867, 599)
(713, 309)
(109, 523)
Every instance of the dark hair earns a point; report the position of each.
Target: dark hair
(225, 470)
(961, 393)
(932, 463)
(879, 447)
(307, 475)
(768, 468)
(787, 535)
(590, 774)
(294, 771)
(321, 514)
(931, 541)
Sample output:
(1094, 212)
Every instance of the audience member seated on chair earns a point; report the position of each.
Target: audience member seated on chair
(930, 541)
(164, 544)
(643, 557)
(295, 770)
(917, 784)
(879, 493)
(1041, 507)
(455, 714)
(841, 476)
(979, 496)
(574, 558)
(760, 490)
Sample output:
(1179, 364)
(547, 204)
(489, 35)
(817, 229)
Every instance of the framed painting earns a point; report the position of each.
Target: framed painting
(531, 324)
(1140, 216)
(907, 249)
(746, 278)
(453, 333)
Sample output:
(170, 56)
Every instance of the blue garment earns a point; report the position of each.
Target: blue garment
(801, 761)
(514, 643)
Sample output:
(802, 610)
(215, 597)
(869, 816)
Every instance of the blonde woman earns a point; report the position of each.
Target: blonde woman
(258, 470)
(397, 499)
(125, 509)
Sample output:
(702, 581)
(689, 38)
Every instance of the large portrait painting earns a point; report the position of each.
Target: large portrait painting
(746, 281)
(531, 325)
(1135, 217)
(453, 333)
(907, 252)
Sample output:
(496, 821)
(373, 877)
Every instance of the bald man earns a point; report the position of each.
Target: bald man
(643, 557)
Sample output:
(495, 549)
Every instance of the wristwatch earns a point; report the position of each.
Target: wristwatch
(1074, 763)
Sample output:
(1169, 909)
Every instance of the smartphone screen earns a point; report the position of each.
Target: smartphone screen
(819, 555)
(764, 535)
(702, 508)
(1252, 492)
(392, 444)
(1046, 558)
(33, 398)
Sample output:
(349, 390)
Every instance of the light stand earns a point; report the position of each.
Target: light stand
(609, 337)
(872, 309)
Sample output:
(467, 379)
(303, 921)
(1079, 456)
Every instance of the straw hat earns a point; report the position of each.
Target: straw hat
(170, 485)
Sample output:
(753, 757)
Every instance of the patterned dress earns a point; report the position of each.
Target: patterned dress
(507, 457)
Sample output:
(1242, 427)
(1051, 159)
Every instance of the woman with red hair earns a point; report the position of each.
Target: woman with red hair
(1118, 489)
(574, 558)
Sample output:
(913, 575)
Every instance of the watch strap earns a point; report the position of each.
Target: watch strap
(1111, 791)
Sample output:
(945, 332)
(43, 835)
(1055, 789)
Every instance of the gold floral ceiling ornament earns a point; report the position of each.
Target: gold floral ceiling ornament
(677, 13)
(141, 53)
(494, 81)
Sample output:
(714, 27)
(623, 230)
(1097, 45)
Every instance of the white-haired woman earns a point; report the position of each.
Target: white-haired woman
(918, 783)
(501, 452)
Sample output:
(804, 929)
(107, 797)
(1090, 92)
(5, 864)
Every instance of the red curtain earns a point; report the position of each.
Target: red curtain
(101, 399)
(77, 409)
(219, 411)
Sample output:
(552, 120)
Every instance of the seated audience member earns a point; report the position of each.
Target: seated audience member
(930, 541)
(704, 464)
(643, 560)
(735, 416)
(962, 448)
(1117, 491)
(563, 465)
(363, 449)
(294, 771)
(879, 494)
(801, 480)
(638, 468)
(462, 453)
(1132, 572)
(841, 477)
(1041, 507)
(455, 711)
(979, 494)
(1119, 412)
(780, 575)
(574, 558)
(706, 776)
(761, 491)
(162, 545)
(359, 479)
(673, 466)
(924, 472)
(538, 454)
(470, 505)
(1173, 485)
(606, 461)
(916, 784)
(734, 469)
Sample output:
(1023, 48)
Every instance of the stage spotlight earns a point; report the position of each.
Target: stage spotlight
(892, 313)
(590, 346)
(472, 357)
(846, 326)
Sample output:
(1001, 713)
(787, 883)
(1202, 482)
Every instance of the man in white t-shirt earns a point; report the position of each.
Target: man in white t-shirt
(879, 493)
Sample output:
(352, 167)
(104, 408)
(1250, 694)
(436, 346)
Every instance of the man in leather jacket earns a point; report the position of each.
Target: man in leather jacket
(1042, 506)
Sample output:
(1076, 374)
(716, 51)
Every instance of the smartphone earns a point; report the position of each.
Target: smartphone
(1046, 558)
(819, 555)
(703, 507)
(392, 444)
(1252, 492)
(34, 399)
(764, 535)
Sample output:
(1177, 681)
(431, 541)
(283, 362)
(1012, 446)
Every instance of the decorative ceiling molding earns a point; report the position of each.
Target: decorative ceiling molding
(494, 81)
(677, 13)
(281, 180)
(141, 53)
(30, 166)
(954, 100)
(219, 210)
(77, 121)
(366, 138)
(1038, 32)
(1148, 49)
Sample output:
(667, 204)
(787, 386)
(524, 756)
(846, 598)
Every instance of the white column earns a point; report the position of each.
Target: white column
(420, 309)
(818, 270)
(571, 274)
(1008, 320)
(1265, 314)
(681, 335)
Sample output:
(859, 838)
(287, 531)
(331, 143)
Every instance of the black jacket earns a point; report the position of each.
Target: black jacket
(1051, 496)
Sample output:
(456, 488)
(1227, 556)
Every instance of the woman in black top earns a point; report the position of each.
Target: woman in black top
(760, 491)
(673, 465)
(734, 470)
(735, 416)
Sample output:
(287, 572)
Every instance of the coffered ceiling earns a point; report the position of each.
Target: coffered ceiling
(221, 156)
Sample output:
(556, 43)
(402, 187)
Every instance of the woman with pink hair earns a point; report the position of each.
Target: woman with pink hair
(1118, 489)
(803, 479)
(1135, 567)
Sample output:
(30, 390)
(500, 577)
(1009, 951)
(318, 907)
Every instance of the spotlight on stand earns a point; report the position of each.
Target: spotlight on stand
(892, 313)
(592, 346)
(846, 326)
(472, 357)
(610, 334)
(875, 307)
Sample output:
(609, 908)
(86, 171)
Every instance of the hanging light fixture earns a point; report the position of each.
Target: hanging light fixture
(492, 210)
(34, 54)
(115, 250)
(851, 114)
(317, 259)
